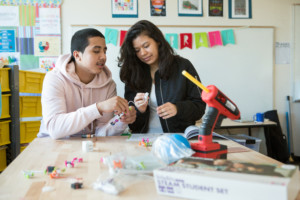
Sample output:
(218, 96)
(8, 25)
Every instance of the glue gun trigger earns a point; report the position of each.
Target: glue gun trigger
(219, 122)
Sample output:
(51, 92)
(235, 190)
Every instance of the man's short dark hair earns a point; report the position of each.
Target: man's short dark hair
(80, 39)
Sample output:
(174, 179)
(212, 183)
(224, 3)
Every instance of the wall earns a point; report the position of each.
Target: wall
(277, 13)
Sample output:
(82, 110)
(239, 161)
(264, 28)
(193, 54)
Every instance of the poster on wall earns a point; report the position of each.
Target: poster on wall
(215, 8)
(47, 63)
(240, 9)
(46, 46)
(7, 41)
(158, 7)
(11, 58)
(49, 21)
(124, 8)
(190, 8)
(9, 15)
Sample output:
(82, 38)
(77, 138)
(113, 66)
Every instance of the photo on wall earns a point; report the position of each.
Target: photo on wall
(190, 8)
(158, 7)
(240, 9)
(124, 8)
(215, 8)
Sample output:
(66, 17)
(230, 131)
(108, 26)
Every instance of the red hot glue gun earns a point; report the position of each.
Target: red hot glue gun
(219, 107)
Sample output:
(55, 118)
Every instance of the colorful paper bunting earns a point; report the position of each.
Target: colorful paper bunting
(172, 38)
(186, 40)
(215, 38)
(122, 36)
(201, 40)
(111, 36)
(228, 37)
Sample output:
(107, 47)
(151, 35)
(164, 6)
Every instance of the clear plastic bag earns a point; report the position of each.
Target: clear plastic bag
(115, 184)
(143, 164)
(171, 147)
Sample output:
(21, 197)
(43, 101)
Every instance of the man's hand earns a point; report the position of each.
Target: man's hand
(129, 117)
(115, 104)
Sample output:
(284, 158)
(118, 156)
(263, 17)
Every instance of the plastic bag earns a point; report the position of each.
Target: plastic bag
(171, 147)
(117, 183)
(132, 164)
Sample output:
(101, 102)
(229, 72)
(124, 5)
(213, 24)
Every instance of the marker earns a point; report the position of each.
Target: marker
(87, 135)
(200, 85)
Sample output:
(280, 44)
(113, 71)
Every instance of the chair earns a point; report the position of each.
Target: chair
(277, 147)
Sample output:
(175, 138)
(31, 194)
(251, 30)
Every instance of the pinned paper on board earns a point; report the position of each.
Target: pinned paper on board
(9, 15)
(201, 40)
(122, 36)
(111, 36)
(49, 21)
(7, 41)
(228, 37)
(172, 39)
(46, 46)
(27, 15)
(47, 63)
(186, 40)
(26, 46)
(11, 58)
(215, 38)
(282, 53)
(29, 62)
(26, 31)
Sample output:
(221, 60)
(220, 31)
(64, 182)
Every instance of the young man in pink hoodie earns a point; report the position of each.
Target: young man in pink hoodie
(79, 96)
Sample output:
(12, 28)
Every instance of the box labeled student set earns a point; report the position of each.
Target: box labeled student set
(199, 178)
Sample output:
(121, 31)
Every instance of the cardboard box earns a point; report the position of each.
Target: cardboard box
(197, 178)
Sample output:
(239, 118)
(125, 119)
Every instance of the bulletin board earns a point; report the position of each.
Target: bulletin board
(242, 71)
(30, 34)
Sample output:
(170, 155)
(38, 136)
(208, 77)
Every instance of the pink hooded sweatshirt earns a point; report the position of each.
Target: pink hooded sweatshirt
(69, 106)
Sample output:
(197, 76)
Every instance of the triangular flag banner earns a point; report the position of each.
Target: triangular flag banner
(186, 40)
(122, 36)
(111, 36)
(228, 37)
(215, 38)
(201, 40)
(172, 38)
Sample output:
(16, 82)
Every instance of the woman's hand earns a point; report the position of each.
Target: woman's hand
(167, 110)
(141, 101)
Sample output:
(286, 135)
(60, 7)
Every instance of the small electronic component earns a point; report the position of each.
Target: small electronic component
(76, 185)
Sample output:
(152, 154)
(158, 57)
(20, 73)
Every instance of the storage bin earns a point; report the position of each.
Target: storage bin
(3, 163)
(5, 106)
(248, 141)
(4, 132)
(29, 130)
(4, 79)
(31, 82)
(30, 106)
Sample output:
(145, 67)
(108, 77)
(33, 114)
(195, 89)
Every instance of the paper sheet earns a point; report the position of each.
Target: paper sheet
(138, 137)
(282, 53)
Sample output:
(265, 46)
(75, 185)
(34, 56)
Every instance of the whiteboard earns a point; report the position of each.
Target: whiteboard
(243, 71)
(296, 58)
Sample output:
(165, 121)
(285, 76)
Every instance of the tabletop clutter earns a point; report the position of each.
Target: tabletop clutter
(169, 162)
(123, 170)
